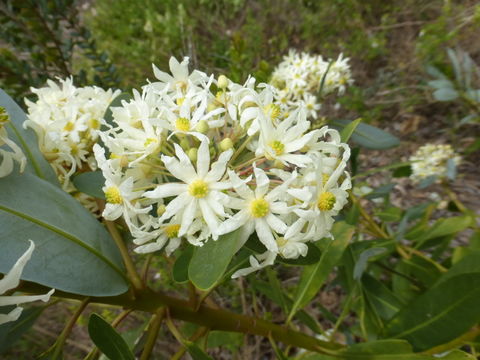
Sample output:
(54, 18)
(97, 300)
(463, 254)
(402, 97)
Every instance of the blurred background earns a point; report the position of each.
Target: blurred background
(415, 65)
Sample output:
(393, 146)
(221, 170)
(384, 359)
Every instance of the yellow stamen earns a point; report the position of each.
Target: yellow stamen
(69, 126)
(113, 196)
(273, 110)
(172, 230)
(182, 124)
(198, 188)
(259, 207)
(277, 147)
(326, 201)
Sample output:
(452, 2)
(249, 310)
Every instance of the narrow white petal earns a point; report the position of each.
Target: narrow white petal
(14, 300)
(262, 182)
(265, 235)
(210, 218)
(219, 166)
(203, 160)
(276, 224)
(166, 190)
(188, 216)
(12, 279)
(232, 224)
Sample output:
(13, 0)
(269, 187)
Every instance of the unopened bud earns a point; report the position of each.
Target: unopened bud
(202, 127)
(184, 143)
(226, 144)
(222, 82)
(161, 209)
(192, 154)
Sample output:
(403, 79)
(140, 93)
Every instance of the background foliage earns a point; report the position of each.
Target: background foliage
(422, 255)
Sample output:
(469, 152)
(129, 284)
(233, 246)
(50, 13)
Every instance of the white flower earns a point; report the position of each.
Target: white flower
(180, 79)
(119, 191)
(11, 281)
(7, 158)
(258, 209)
(67, 121)
(282, 141)
(200, 190)
(257, 262)
(432, 160)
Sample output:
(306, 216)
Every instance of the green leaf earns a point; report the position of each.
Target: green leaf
(180, 268)
(195, 352)
(439, 315)
(106, 338)
(313, 276)
(362, 262)
(209, 262)
(469, 264)
(445, 94)
(348, 130)
(90, 183)
(390, 214)
(386, 303)
(74, 252)
(383, 350)
(369, 136)
(443, 227)
(13, 331)
(228, 339)
(27, 140)
(403, 171)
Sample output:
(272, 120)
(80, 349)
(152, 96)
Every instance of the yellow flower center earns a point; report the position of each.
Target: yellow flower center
(172, 230)
(326, 201)
(277, 147)
(113, 196)
(198, 188)
(259, 208)
(69, 126)
(273, 110)
(182, 124)
(94, 124)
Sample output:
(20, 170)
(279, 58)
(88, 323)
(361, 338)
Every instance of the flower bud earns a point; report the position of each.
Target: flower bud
(226, 144)
(161, 209)
(185, 144)
(192, 154)
(222, 81)
(202, 127)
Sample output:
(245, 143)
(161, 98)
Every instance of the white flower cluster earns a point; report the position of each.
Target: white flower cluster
(192, 158)
(67, 120)
(11, 281)
(299, 80)
(9, 151)
(431, 160)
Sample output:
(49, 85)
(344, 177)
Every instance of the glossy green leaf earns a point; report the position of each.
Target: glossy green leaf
(313, 276)
(73, 253)
(27, 140)
(362, 262)
(180, 268)
(209, 262)
(444, 227)
(439, 315)
(228, 339)
(469, 264)
(386, 303)
(348, 130)
(369, 136)
(90, 183)
(106, 338)
(383, 350)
